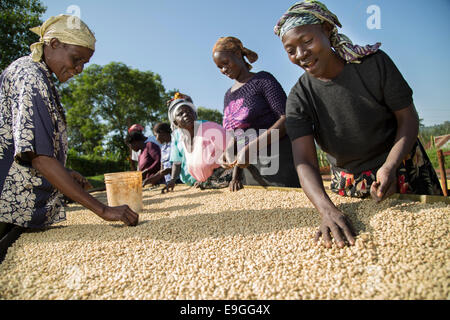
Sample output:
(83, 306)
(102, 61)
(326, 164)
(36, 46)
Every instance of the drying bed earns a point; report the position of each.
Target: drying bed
(252, 244)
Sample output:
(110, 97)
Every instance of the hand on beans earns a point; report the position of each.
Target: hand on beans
(338, 225)
(386, 184)
(235, 185)
(121, 213)
(169, 187)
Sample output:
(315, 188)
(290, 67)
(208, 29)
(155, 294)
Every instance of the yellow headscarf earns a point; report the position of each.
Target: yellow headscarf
(67, 29)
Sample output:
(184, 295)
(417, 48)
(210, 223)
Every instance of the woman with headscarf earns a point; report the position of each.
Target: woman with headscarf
(135, 154)
(255, 101)
(33, 139)
(177, 156)
(358, 107)
(149, 160)
(197, 147)
(163, 134)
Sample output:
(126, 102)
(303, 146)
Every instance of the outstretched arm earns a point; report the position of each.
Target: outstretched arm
(333, 221)
(263, 141)
(176, 169)
(59, 177)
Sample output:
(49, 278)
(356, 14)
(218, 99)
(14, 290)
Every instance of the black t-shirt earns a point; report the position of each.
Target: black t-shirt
(352, 116)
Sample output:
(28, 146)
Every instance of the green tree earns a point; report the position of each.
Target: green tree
(427, 133)
(16, 18)
(104, 101)
(166, 98)
(421, 125)
(85, 129)
(209, 115)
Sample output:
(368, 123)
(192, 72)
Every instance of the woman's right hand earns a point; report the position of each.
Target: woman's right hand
(335, 223)
(120, 213)
(235, 185)
(170, 186)
(236, 180)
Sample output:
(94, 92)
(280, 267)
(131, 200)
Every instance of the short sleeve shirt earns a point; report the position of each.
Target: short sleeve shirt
(135, 154)
(177, 156)
(150, 159)
(165, 159)
(31, 120)
(352, 116)
(258, 104)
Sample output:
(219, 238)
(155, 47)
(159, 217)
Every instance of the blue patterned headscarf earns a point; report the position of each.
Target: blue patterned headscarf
(314, 12)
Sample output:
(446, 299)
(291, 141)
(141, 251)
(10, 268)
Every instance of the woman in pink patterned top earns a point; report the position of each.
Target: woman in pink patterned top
(255, 101)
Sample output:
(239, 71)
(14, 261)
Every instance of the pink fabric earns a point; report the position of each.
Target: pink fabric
(210, 142)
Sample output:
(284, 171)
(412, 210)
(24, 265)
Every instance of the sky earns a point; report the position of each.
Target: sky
(175, 39)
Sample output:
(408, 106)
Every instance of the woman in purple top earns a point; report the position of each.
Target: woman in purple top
(255, 101)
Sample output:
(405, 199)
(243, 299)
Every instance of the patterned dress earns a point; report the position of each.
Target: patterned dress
(415, 175)
(31, 120)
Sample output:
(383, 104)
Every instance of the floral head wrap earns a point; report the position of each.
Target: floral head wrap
(314, 12)
(67, 29)
(232, 44)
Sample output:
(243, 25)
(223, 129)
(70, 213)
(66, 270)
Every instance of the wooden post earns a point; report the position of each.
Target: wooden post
(441, 161)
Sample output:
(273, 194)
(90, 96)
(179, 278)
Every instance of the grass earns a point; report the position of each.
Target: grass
(97, 181)
(432, 154)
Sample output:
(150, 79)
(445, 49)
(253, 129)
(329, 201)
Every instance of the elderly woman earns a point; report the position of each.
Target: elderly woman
(255, 101)
(177, 155)
(197, 147)
(33, 139)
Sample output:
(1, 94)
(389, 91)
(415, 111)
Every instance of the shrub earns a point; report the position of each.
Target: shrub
(93, 165)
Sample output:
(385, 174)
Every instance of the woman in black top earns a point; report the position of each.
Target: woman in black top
(357, 106)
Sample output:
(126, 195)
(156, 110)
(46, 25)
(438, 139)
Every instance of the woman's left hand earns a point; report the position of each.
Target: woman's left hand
(406, 136)
(386, 184)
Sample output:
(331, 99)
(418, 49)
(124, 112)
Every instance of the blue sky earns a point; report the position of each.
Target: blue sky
(175, 38)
